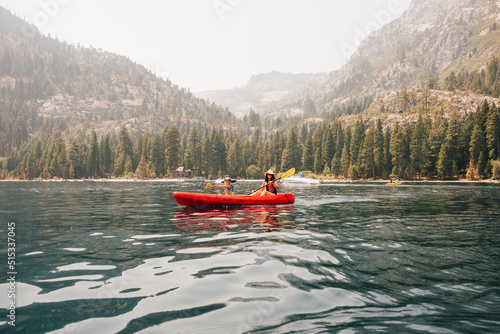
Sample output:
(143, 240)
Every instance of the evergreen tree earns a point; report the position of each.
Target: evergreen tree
(219, 152)
(207, 155)
(356, 142)
(172, 148)
(276, 150)
(436, 138)
(366, 159)
(75, 159)
(318, 162)
(493, 133)
(447, 160)
(125, 153)
(106, 158)
(193, 150)
(345, 160)
(157, 156)
(292, 154)
(418, 148)
(235, 166)
(397, 151)
(328, 148)
(308, 154)
(379, 150)
(142, 170)
(93, 157)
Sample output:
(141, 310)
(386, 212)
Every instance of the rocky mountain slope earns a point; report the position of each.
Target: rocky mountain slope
(420, 49)
(82, 88)
(262, 92)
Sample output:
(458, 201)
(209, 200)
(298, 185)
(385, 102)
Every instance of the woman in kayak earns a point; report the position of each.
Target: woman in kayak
(270, 185)
(228, 187)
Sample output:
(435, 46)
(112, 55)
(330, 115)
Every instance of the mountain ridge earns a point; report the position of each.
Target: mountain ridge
(262, 92)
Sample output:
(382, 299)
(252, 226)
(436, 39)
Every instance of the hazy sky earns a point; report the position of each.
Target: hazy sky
(215, 44)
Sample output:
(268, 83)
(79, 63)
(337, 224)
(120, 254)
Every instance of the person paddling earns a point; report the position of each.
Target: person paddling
(228, 187)
(270, 184)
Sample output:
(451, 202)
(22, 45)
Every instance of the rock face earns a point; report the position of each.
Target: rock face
(430, 38)
(262, 92)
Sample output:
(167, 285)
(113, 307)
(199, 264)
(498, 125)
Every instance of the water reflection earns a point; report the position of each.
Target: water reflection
(251, 218)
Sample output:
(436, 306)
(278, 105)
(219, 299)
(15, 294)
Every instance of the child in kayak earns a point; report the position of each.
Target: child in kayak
(228, 187)
(270, 185)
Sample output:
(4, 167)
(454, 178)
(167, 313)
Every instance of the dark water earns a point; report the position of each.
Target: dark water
(346, 258)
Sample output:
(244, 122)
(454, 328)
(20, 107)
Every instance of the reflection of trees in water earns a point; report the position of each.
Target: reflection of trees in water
(251, 218)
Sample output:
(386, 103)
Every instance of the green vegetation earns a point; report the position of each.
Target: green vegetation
(446, 149)
(37, 140)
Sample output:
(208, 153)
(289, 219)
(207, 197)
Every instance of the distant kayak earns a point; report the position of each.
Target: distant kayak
(211, 200)
(394, 184)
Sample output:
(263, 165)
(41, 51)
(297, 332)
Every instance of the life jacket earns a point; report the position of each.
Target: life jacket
(230, 191)
(270, 187)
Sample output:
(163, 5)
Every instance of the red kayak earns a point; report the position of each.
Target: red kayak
(208, 200)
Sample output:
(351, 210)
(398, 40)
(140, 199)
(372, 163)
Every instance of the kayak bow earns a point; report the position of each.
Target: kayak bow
(210, 200)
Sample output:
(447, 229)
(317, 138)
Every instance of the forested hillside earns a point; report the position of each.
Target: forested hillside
(48, 85)
(73, 112)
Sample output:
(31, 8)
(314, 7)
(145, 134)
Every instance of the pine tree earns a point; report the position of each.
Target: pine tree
(493, 133)
(379, 149)
(125, 153)
(366, 159)
(308, 154)
(328, 148)
(276, 150)
(447, 160)
(418, 147)
(397, 150)
(172, 148)
(75, 158)
(219, 152)
(207, 155)
(192, 158)
(142, 170)
(93, 157)
(435, 140)
(356, 143)
(157, 156)
(291, 156)
(106, 158)
(235, 166)
(318, 162)
(345, 160)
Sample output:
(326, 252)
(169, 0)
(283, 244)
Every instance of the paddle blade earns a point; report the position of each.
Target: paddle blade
(208, 186)
(288, 173)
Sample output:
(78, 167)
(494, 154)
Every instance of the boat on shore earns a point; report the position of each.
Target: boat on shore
(212, 200)
(297, 180)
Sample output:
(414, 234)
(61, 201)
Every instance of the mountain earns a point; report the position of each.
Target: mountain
(262, 92)
(420, 49)
(46, 83)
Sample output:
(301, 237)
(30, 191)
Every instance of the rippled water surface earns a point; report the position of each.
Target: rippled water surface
(346, 258)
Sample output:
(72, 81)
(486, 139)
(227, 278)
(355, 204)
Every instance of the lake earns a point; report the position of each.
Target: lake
(346, 258)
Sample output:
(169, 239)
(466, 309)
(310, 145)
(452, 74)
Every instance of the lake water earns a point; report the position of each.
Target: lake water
(346, 258)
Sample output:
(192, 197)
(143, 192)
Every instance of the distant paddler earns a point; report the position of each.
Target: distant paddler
(228, 187)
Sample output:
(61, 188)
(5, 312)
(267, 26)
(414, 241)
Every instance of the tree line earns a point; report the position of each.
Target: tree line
(438, 148)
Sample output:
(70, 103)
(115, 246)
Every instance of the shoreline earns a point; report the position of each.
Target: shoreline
(326, 181)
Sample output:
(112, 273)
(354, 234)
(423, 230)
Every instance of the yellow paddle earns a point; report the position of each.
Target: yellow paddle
(286, 174)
